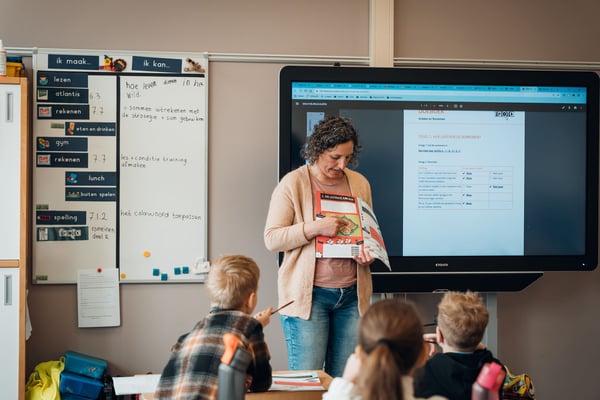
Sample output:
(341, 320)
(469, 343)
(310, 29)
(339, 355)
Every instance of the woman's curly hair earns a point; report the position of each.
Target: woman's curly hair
(327, 134)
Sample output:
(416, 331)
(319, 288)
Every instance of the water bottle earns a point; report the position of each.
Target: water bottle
(108, 392)
(487, 385)
(232, 370)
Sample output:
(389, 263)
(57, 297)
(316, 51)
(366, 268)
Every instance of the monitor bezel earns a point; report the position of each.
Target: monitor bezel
(478, 265)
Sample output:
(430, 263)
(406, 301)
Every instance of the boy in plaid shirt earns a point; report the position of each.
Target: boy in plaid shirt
(192, 370)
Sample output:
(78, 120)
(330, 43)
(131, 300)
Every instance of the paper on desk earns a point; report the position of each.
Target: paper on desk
(98, 298)
(297, 381)
(136, 384)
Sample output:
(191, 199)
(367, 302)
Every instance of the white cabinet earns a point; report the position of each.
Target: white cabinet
(9, 332)
(10, 168)
(14, 239)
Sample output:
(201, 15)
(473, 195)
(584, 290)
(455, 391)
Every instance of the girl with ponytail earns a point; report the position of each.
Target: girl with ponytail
(390, 346)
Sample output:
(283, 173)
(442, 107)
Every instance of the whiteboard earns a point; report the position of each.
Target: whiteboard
(120, 165)
(162, 195)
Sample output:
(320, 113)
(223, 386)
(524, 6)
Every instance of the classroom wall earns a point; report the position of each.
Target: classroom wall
(544, 330)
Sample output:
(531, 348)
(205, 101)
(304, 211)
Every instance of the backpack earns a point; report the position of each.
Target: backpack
(43, 383)
(518, 387)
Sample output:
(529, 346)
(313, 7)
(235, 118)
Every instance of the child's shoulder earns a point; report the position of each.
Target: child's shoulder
(233, 320)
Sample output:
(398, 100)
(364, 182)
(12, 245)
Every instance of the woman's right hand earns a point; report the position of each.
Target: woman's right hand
(328, 226)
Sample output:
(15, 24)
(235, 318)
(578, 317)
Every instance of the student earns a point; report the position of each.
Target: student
(192, 370)
(461, 322)
(390, 346)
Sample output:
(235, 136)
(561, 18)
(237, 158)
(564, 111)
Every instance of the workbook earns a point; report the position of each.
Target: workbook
(358, 232)
(307, 380)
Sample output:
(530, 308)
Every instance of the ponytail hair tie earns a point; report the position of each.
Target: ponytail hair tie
(385, 341)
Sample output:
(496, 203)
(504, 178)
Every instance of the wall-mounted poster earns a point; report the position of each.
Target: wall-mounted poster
(120, 165)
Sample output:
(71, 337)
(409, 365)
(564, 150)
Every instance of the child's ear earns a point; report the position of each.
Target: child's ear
(439, 335)
(251, 302)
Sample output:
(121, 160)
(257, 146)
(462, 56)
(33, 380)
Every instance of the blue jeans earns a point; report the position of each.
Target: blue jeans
(328, 337)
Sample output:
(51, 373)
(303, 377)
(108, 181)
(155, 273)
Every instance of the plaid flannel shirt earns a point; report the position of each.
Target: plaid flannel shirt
(192, 370)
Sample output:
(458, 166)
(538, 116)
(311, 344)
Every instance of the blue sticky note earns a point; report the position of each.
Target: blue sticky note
(185, 269)
(155, 272)
(163, 277)
(177, 271)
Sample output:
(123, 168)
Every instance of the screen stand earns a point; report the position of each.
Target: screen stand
(490, 338)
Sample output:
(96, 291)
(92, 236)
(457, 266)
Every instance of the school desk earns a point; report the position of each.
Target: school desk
(282, 395)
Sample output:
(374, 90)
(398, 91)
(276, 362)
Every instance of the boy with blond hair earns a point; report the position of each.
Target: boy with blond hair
(461, 322)
(192, 370)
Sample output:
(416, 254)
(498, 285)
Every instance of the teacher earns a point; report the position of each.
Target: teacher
(329, 294)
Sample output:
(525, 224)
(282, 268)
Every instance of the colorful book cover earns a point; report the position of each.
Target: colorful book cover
(359, 229)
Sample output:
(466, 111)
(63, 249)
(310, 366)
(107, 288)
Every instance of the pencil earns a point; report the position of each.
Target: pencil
(283, 306)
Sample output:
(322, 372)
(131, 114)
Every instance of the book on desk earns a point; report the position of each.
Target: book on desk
(297, 385)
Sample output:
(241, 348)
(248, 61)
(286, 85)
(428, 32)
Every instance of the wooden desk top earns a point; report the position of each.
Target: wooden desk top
(283, 394)
(291, 394)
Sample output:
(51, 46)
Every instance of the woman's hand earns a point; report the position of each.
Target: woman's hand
(328, 226)
(364, 258)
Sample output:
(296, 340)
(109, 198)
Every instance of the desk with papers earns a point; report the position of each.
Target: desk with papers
(297, 385)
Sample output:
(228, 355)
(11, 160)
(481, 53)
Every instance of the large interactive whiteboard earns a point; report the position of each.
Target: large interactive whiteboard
(120, 165)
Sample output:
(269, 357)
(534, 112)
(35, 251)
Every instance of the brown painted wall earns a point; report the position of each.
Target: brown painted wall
(544, 330)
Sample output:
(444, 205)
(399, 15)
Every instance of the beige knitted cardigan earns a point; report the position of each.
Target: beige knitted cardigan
(292, 204)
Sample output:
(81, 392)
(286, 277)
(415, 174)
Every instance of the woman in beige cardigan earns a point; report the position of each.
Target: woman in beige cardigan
(329, 294)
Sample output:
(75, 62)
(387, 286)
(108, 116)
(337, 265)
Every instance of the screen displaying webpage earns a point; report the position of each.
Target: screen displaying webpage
(463, 170)
(463, 182)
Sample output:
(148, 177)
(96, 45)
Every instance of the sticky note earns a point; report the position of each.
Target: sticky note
(163, 277)
(185, 269)
(155, 272)
(177, 271)
(146, 254)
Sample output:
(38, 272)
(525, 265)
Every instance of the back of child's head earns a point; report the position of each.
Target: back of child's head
(391, 336)
(462, 318)
(231, 280)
